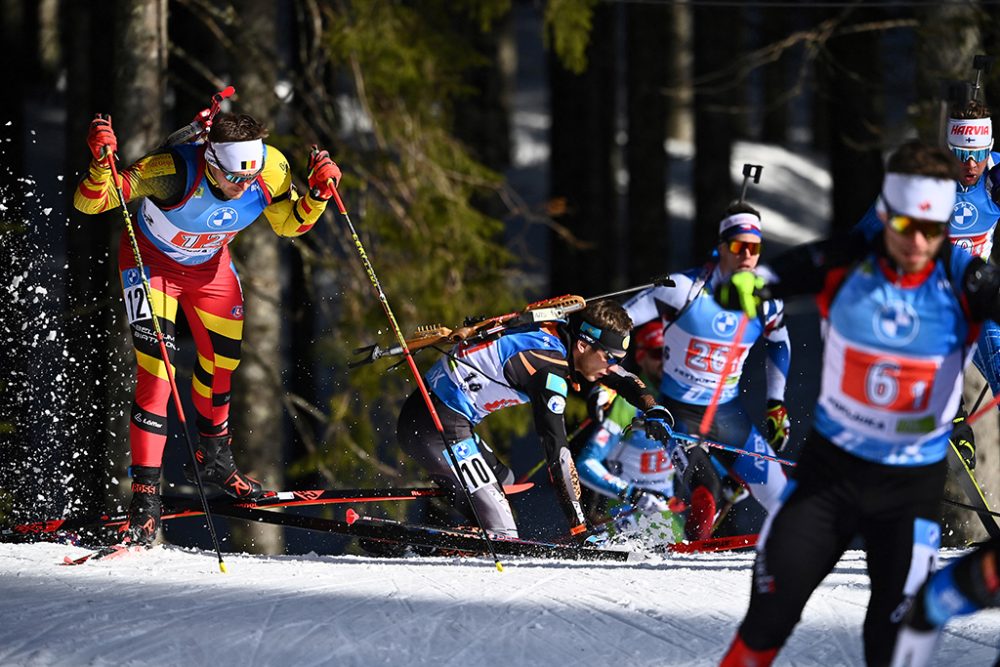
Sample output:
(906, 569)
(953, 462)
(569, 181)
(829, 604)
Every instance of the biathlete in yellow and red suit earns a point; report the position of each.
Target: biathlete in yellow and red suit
(195, 199)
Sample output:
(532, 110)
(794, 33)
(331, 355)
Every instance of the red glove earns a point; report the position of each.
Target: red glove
(101, 139)
(324, 174)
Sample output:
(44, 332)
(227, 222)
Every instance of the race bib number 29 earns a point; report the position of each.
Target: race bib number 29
(136, 303)
(896, 384)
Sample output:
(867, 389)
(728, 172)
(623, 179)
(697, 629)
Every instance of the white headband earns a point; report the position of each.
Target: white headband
(739, 223)
(970, 132)
(234, 156)
(919, 197)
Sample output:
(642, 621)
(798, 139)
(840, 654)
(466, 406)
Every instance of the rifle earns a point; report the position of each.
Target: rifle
(483, 329)
(194, 130)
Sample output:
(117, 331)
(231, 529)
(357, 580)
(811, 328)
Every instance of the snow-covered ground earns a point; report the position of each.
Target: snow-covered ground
(172, 607)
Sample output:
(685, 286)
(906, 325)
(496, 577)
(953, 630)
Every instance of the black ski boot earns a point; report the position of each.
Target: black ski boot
(215, 463)
(144, 509)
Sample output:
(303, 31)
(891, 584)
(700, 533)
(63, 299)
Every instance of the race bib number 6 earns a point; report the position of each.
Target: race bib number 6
(889, 383)
(473, 471)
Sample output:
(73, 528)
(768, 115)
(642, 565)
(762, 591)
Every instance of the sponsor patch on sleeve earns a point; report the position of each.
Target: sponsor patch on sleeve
(557, 384)
(160, 164)
(557, 405)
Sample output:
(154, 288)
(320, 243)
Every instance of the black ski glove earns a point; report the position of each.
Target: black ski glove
(658, 423)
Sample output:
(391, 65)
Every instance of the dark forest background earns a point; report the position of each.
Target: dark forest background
(416, 100)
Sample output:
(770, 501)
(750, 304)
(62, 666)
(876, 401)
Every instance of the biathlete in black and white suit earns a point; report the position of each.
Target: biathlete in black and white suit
(537, 365)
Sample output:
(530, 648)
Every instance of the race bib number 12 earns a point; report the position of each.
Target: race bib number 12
(136, 303)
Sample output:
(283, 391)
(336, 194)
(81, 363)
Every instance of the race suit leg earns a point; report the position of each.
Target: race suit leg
(148, 423)
(799, 545)
(419, 438)
(902, 538)
(213, 306)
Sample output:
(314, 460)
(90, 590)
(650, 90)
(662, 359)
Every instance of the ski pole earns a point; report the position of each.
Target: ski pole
(973, 508)
(979, 400)
(370, 270)
(731, 354)
(166, 357)
(729, 448)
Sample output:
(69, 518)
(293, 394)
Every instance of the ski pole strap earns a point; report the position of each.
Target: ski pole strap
(684, 437)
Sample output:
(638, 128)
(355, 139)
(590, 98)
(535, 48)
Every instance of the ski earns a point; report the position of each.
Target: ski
(176, 506)
(433, 537)
(967, 480)
(104, 553)
(714, 544)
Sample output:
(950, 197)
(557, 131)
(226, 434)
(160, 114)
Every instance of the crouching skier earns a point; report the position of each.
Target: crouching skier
(535, 364)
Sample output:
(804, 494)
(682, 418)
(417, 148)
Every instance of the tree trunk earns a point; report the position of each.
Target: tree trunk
(138, 64)
(257, 413)
(774, 115)
(648, 30)
(582, 141)
(714, 127)
(853, 86)
(680, 121)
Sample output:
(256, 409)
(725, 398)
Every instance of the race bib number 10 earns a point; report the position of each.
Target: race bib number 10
(136, 303)
(472, 468)
(888, 383)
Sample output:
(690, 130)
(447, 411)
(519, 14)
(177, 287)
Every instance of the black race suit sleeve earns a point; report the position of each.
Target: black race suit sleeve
(543, 375)
(981, 289)
(805, 268)
(629, 387)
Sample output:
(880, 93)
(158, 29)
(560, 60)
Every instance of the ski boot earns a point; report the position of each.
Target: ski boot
(144, 509)
(214, 456)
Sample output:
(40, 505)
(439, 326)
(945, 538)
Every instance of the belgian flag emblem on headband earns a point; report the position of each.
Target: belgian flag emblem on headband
(248, 165)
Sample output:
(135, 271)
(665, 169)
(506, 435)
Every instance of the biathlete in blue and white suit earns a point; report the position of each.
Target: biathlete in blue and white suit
(971, 227)
(537, 365)
(697, 338)
(900, 316)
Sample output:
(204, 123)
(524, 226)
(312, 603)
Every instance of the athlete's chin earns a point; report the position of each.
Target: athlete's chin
(914, 263)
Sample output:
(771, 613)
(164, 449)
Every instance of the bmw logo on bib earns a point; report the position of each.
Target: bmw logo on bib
(131, 277)
(725, 322)
(223, 218)
(965, 215)
(896, 323)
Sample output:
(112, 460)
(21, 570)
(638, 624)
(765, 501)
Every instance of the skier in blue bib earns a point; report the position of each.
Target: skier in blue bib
(900, 316)
(697, 339)
(971, 227)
